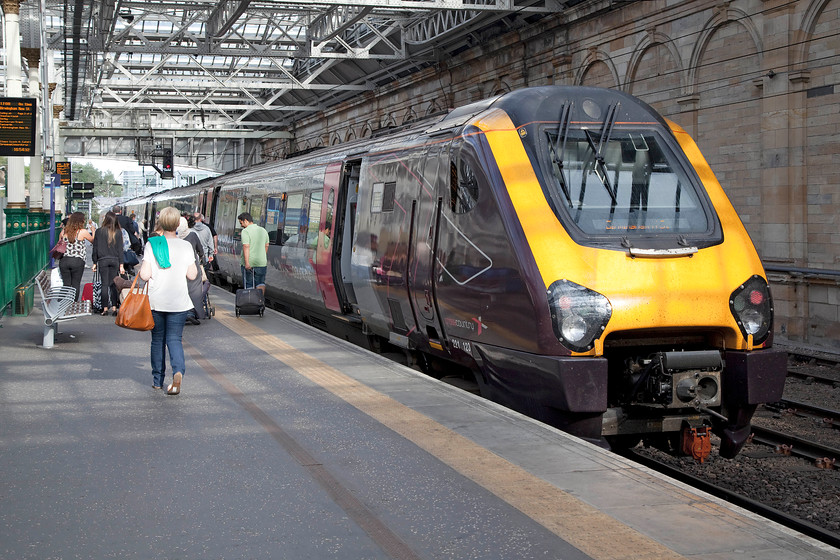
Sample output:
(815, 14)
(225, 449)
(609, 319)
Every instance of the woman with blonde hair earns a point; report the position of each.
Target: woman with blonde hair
(72, 264)
(168, 263)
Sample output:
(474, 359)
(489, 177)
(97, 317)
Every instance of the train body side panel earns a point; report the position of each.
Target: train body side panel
(481, 288)
(389, 184)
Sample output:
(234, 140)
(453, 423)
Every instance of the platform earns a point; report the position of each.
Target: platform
(288, 443)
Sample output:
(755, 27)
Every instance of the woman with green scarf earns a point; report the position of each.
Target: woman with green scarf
(167, 265)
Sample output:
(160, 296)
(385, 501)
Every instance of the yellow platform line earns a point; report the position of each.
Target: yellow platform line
(593, 532)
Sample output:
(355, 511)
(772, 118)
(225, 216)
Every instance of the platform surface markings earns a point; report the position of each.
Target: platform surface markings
(386, 539)
(571, 519)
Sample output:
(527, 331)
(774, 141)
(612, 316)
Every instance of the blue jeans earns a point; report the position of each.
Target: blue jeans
(169, 328)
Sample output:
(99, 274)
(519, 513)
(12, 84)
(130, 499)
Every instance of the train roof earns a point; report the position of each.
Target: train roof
(586, 105)
(525, 106)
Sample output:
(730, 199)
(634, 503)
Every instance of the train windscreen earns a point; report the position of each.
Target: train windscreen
(624, 183)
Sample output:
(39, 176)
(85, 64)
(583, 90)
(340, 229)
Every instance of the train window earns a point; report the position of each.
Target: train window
(257, 209)
(241, 206)
(376, 198)
(329, 219)
(297, 221)
(274, 219)
(632, 184)
(463, 186)
(315, 199)
(383, 197)
(389, 197)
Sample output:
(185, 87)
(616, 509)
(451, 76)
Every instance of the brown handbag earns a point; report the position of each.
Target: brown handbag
(135, 312)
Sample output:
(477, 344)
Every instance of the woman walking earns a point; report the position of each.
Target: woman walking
(168, 263)
(72, 264)
(108, 261)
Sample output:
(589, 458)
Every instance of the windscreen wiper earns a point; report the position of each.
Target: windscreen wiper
(600, 165)
(558, 150)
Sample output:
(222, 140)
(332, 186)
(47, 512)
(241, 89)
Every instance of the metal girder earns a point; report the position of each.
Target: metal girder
(103, 132)
(244, 64)
(224, 16)
(215, 154)
(335, 20)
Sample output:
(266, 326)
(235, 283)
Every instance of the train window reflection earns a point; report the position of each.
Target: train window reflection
(630, 184)
(295, 211)
(241, 206)
(315, 212)
(274, 219)
(463, 187)
(383, 197)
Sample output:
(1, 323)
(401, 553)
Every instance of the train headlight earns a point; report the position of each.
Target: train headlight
(752, 308)
(579, 315)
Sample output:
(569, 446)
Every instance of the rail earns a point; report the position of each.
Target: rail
(784, 518)
(801, 271)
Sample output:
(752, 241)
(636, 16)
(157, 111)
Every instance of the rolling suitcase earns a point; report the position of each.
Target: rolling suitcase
(87, 292)
(250, 301)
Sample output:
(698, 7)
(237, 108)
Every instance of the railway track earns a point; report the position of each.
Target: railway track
(827, 416)
(791, 521)
(822, 456)
(781, 474)
(808, 375)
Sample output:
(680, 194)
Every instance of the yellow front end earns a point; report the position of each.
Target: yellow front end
(676, 292)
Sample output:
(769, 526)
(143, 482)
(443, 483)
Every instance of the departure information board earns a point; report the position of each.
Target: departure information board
(63, 169)
(17, 126)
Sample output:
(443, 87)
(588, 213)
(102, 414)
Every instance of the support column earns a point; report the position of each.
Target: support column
(60, 193)
(17, 215)
(37, 217)
(48, 147)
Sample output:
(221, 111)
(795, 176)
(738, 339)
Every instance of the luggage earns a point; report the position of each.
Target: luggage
(97, 292)
(87, 292)
(250, 301)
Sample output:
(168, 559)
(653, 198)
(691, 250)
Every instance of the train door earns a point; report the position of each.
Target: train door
(323, 258)
(425, 215)
(210, 210)
(344, 232)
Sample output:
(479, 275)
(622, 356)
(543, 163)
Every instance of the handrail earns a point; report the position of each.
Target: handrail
(21, 258)
(799, 270)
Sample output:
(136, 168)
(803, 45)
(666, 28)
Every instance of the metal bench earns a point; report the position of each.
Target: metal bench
(59, 305)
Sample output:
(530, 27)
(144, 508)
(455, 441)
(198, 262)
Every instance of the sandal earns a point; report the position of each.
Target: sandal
(175, 387)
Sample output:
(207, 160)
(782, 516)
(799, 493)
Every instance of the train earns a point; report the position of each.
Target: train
(565, 247)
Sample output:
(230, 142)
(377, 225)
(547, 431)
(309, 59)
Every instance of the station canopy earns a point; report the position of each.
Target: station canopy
(250, 65)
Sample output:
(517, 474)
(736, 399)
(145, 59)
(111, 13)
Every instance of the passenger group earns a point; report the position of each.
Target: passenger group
(174, 263)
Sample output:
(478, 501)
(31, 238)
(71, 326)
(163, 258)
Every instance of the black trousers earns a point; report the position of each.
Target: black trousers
(71, 269)
(109, 268)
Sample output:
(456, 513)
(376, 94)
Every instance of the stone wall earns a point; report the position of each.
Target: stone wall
(754, 81)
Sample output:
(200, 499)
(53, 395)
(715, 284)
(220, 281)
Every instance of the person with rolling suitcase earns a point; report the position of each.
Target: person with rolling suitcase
(253, 261)
(249, 301)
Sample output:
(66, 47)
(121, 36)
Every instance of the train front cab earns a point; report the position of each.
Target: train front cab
(653, 286)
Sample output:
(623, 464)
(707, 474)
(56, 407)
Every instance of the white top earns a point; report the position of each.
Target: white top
(168, 286)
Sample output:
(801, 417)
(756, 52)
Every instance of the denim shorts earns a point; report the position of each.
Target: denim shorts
(258, 276)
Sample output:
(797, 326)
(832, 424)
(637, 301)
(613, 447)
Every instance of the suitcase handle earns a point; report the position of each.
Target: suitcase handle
(253, 279)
